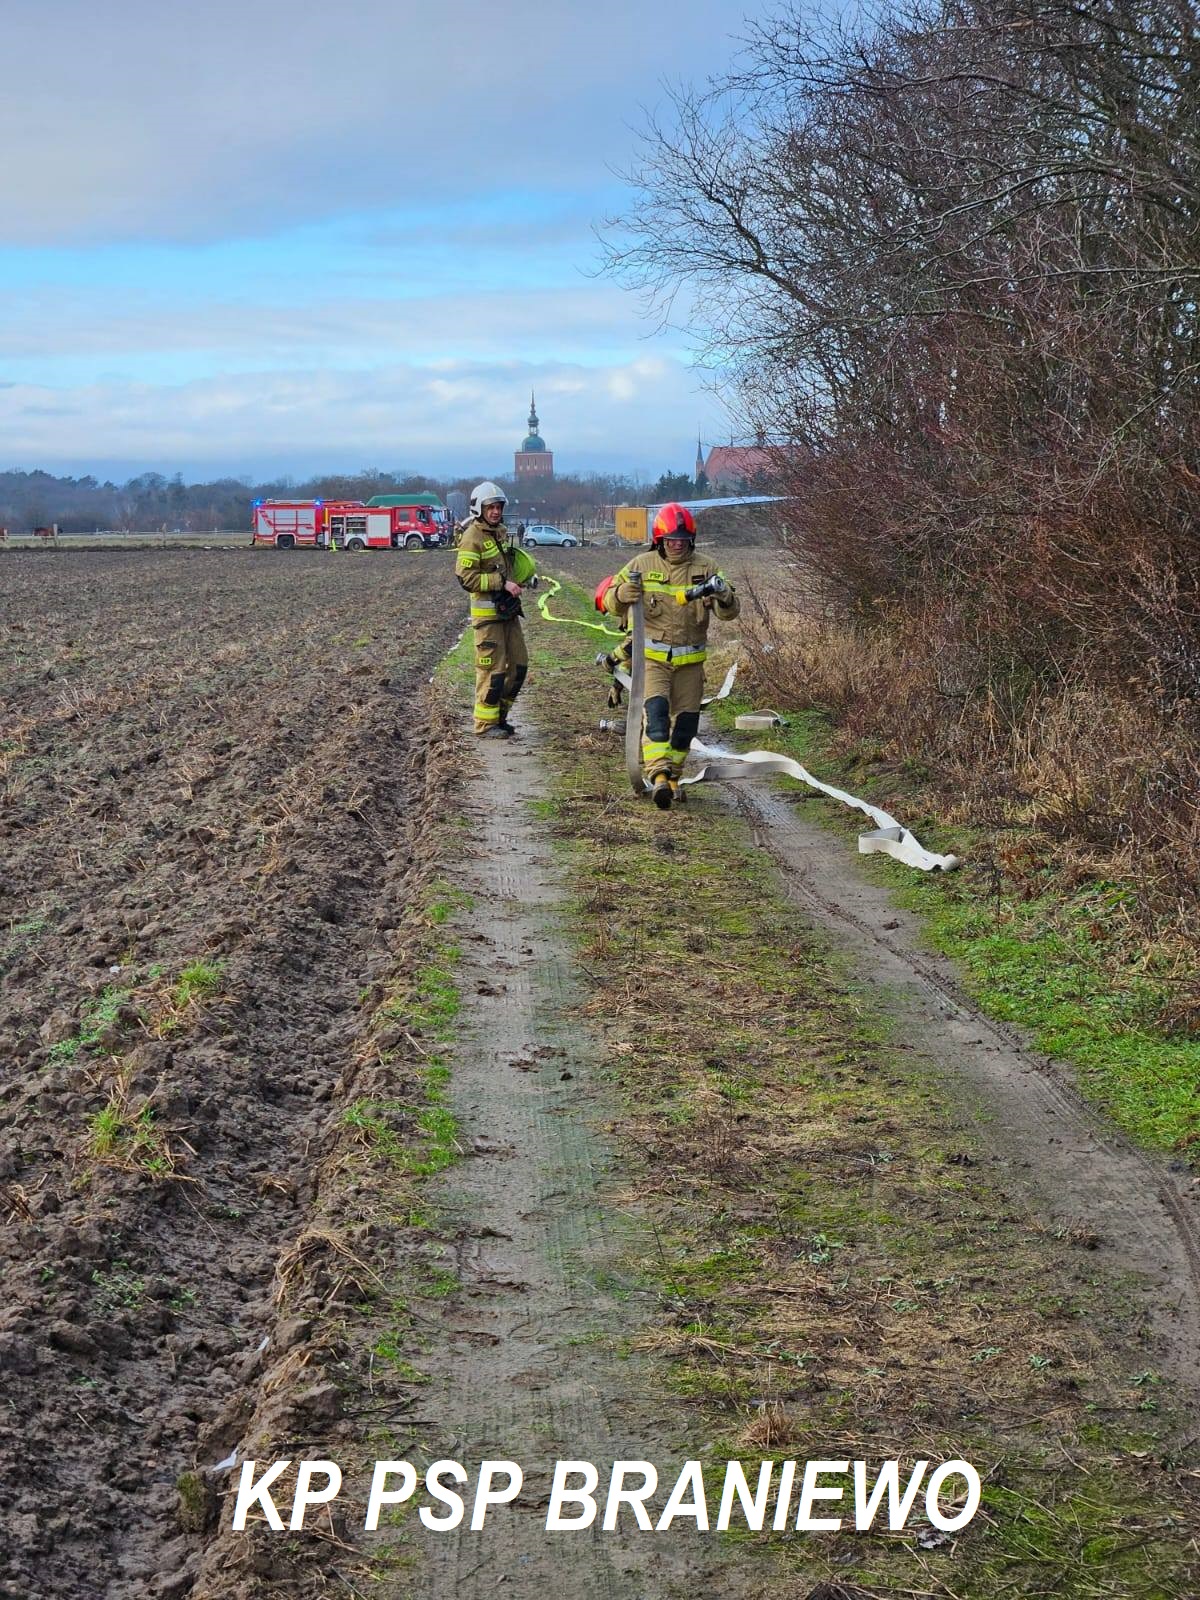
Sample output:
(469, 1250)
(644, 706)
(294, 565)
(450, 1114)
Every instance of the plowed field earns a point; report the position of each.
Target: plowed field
(211, 781)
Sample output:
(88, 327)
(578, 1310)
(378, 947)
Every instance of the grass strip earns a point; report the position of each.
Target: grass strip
(1036, 945)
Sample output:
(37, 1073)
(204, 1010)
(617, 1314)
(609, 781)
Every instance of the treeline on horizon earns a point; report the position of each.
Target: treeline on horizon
(152, 502)
(952, 250)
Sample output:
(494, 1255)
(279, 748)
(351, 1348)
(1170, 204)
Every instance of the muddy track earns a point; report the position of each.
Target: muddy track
(522, 1362)
(1144, 1218)
(207, 763)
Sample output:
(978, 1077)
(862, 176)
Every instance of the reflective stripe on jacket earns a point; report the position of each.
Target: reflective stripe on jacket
(483, 565)
(671, 621)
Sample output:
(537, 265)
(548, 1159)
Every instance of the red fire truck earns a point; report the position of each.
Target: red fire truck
(417, 519)
(287, 524)
(346, 524)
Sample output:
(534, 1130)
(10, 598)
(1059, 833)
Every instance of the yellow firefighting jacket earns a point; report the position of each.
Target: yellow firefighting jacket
(676, 631)
(486, 561)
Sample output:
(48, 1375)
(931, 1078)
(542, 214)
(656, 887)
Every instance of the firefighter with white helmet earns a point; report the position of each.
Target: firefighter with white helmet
(493, 571)
(679, 592)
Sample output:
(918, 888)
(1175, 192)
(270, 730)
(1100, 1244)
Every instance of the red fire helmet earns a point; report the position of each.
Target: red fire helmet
(672, 522)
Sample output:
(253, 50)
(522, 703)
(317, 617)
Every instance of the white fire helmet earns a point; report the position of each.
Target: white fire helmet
(482, 493)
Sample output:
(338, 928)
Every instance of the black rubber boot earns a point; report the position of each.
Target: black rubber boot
(661, 793)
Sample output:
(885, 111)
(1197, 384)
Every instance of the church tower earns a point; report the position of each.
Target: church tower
(533, 462)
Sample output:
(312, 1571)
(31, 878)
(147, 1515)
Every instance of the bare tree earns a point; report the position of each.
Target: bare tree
(955, 252)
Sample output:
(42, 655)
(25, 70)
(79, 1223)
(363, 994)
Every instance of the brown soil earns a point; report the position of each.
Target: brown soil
(205, 758)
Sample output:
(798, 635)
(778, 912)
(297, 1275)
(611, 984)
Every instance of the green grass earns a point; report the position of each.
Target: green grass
(99, 1015)
(438, 1283)
(444, 900)
(107, 1129)
(389, 1348)
(1039, 961)
(132, 1140)
(21, 936)
(117, 1289)
(197, 980)
(371, 1122)
(432, 1007)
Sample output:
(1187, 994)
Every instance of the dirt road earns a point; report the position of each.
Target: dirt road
(524, 1362)
(1142, 1219)
(1140, 1213)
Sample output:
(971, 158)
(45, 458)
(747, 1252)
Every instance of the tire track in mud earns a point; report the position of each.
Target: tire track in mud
(1045, 1138)
(135, 1306)
(522, 1366)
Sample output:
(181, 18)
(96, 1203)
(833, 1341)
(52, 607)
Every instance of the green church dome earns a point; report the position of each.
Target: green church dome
(533, 439)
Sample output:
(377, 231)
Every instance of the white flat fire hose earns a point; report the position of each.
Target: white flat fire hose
(723, 766)
(890, 837)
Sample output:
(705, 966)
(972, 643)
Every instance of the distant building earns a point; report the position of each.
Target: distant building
(533, 462)
(737, 467)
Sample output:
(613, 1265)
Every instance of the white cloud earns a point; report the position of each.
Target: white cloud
(470, 418)
(80, 324)
(141, 138)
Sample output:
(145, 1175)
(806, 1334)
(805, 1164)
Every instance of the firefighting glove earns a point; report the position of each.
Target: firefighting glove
(630, 590)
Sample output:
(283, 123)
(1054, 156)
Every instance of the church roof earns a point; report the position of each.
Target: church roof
(736, 462)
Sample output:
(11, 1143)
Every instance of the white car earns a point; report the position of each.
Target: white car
(542, 533)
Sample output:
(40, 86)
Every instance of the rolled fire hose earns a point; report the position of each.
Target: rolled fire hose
(637, 698)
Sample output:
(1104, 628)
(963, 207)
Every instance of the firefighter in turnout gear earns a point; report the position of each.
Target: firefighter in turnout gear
(493, 571)
(676, 638)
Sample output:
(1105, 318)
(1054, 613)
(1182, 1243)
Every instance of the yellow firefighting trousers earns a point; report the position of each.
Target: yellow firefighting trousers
(501, 662)
(671, 716)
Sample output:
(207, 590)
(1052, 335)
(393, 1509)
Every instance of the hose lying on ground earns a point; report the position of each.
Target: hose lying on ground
(723, 766)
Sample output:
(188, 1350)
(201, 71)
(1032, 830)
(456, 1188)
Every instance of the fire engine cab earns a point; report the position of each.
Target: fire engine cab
(418, 520)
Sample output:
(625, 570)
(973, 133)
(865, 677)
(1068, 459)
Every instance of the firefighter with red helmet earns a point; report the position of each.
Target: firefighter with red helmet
(493, 571)
(680, 591)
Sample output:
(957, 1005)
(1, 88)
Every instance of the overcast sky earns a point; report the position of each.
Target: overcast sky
(260, 236)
